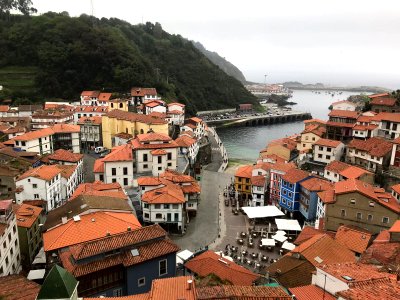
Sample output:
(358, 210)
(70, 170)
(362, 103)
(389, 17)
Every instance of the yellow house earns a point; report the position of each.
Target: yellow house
(117, 121)
(310, 135)
(243, 182)
(121, 104)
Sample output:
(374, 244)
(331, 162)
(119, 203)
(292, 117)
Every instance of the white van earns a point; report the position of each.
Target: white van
(100, 149)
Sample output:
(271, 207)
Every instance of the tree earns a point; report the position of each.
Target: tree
(23, 6)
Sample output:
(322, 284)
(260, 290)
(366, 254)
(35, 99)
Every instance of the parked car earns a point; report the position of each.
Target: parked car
(100, 149)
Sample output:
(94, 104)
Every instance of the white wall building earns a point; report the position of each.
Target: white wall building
(197, 125)
(89, 111)
(344, 105)
(325, 150)
(10, 257)
(41, 183)
(189, 147)
(40, 141)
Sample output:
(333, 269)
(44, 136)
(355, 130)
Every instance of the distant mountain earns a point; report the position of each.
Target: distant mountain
(221, 62)
(320, 86)
(57, 56)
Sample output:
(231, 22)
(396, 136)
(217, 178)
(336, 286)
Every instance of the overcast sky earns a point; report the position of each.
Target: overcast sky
(347, 42)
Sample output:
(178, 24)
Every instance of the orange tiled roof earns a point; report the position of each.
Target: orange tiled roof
(316, 184)
(287, 142)
(66, 170)
(176, 103)
(327, 143)
(306, 233)
(387, 116)
(176, 177)
(377, 194)
(66, 128)
(44, 172)
(295, 175)
(235, 292)
(132, 117)
(105, 96)
(90, 227)
(149, 181)
(378, 95)
(211, 263)
(119, 153)
(4, 108)
(344, 114)
(18, 287)
(170, 194)
(153, 103)
(385, 101)
(139, 91)
(283, 167)
(65, 155)
(314, 121)
(244, 171)
(94, 120)
(98, 166)
(196, 120)
(395, 227)
(90, 93)
(185, 141)
(336, 166)
(374, 146)
(340, 124)
(353, 172)
(99, 188)
(26, 214)
(172, 288)
(321, 249)
(158, 152)
(327, 196)
(354, 238)
(377, 290)
(258, 180)
(153, 137)
(308, 292)
(396, 188)
(32, 135)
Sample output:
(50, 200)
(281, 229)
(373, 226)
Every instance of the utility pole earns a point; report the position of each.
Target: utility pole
(265, 79)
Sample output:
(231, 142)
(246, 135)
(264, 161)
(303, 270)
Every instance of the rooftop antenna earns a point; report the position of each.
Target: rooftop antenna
(92, 7)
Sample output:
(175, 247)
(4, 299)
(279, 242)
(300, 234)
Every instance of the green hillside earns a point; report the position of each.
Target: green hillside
(67, 55)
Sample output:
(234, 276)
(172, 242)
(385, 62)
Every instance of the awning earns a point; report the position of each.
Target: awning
(279, 238)
(36, 274)
(262, 211)
(287, 224)
(40, 257)
(288, 246)
(227, 257)
(268, 242)
(280, 232)
(184, 254)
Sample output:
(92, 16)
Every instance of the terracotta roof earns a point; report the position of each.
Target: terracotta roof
(286, 142)
(153, 137)
(336, 166)
(4, 108)
(354, 238)
(67, 170)
(327, 143)
(88, 120)
(144, 296)
(295, 175)
(105, 96)
(316, 129)
(149, 181)
(386, 116)
(384, 101)
(119, 153)
(396, 188)
(158, 152)
(98, 166)
(139, 91)
(75, 232)
(354, 172)
(196, 120)
(339, 124)
(176, 103)
(316, 184)
(244, 171)
(382, 253)
(234, 292)
(378, 95)
(17, 287)
(382, 237)
(308, 292)
(153, 103)
(344, 101)
(172, 288)
(258, 180)
(176, 177)
(365, 119)
(388, 290)
(185, 141)
(85, 108)
(167, 194)
(65, 155)
(44, 172)
(66, 128)
(99, 188)
(138, 145)
(211, 263)
(26, 214)
(31, 135)
(321, 249)
(283, 167)
(356, 271)
(377, 194)
(314, 121)
(344, 114)
(306, 233)
(395, 227)
(327, 196)
(273, 157)
(90, 93)
(133, 117)
(291, 272)
(374, 146)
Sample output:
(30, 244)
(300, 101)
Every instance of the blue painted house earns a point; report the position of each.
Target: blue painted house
(309, 198)
(121, 264)
(290, 189)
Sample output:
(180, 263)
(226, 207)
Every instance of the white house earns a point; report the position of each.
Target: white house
(188, 146)
(154, 106)
(95, 98)
(344, 105)
(389, 125)
(197, 125)
(67, 136)
(65, 157)
(259, 181)
(325, 150)
(10, 257)
(40, 184)
(40, 141)
(117, 166)
(176, 113)
(69, 181)
(140, 95)
(154, 152)
(89, 111)
(44, 119)
(324, 198)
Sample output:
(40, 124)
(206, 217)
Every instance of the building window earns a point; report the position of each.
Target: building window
(371, 203)
(36, 196)
(145, 157)
(159, 159)
(113, 171)
(125, 181)
(125, 171)
(117, 292)
(352, 201)
(166, 206)
(157, 206)
(359, 216)
(158, 216)
(169, 156)
(328, 157)
(162, 267)
(343, 213)
(175, 206)
(34, 186)
(113, 180)
(169, 164)
(145, 166)
(283, 201)
(146, 215)
(319, 155)
(101, 177)
(141, 281)
(385, 220)
(290, 195)
(146, 205)
(284, 192)
(369, 218)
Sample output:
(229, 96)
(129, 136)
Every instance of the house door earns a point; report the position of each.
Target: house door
(168, 217)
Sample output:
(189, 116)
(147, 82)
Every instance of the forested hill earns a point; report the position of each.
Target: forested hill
(65, 55)
(221, 62)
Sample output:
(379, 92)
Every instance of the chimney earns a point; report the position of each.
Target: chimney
(64, 220)
(129, 228)
(189, 284)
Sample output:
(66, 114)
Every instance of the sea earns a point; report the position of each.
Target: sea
(245, 143)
